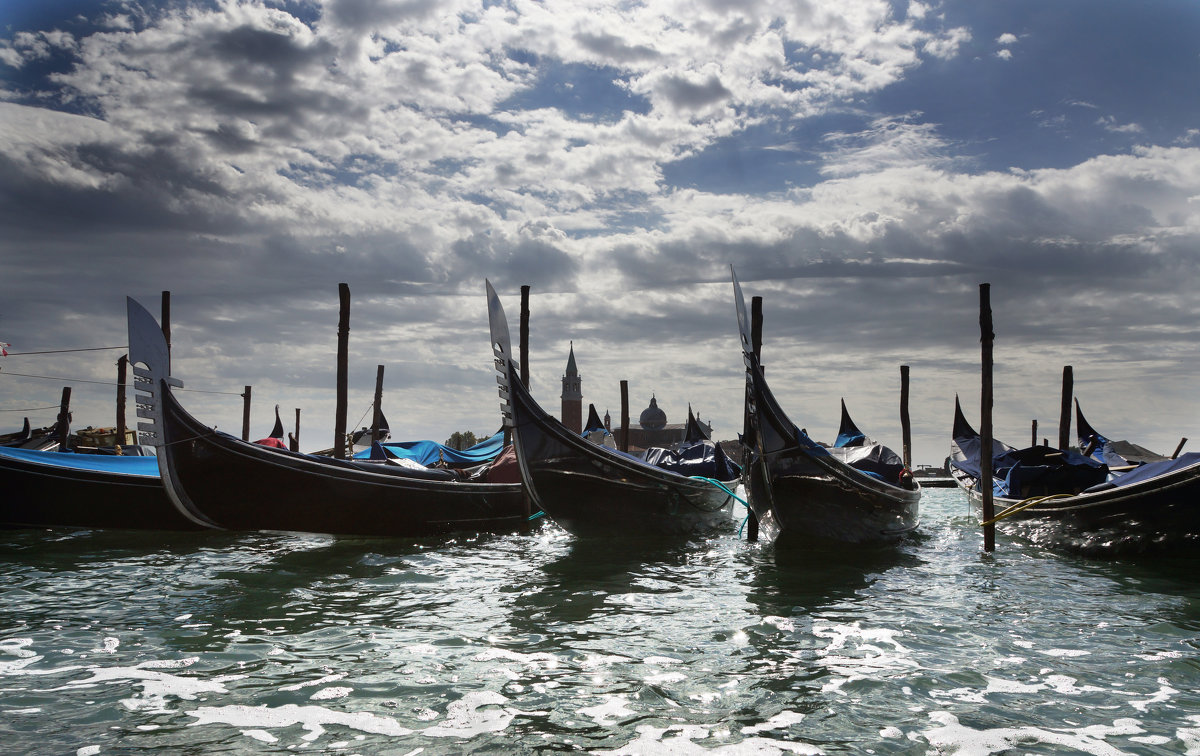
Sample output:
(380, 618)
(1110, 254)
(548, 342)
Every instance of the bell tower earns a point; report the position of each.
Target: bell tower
(572, 396)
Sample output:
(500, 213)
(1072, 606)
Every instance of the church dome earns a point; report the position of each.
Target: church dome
(652, 417)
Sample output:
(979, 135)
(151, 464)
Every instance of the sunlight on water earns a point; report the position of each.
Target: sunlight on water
(122, 643)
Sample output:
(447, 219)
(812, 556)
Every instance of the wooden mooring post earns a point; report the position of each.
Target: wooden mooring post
(246, 414)
(1033, 437)
(905, 425)
(166, 324)
(122, 379)
(343, 371)
(624, 446)
(1064, 415)
(986, 338)
(294, 438)
(377, 416)
(756, 332)
(525, 336)
(64, 419)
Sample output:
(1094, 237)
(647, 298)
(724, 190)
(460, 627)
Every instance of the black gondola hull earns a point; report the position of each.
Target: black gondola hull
(590, 491)
(799, 493)
(1156, 514)
(37, 495)
(242, 486)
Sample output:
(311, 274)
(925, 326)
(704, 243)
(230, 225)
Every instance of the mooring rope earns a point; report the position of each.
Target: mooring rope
(1021, 506)
(721, 486)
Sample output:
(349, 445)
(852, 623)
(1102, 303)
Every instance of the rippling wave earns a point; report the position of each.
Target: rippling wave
(127, 643)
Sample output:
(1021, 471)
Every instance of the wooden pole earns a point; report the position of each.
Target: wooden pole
(985, 425)
(1033, 438)
(64, 419)
(756, 327)
(1179, 448)
(166, 322)
(525, 336)
(1064, 416)
(905, 426)
(624, 416)
(294, 438)
(246, 414)
(343, 372)
(377, 418)
(122, 378)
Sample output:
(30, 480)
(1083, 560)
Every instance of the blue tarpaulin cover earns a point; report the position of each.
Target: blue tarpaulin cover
(703, 459)
(146, 467)
(430, 452)
(1149, 470)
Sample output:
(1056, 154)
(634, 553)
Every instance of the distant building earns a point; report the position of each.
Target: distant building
(572, 396)
(650, 429)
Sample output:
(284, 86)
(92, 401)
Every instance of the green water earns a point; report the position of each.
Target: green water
(125, 643)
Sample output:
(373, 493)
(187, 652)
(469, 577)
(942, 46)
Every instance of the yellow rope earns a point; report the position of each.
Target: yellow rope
(1021, 506)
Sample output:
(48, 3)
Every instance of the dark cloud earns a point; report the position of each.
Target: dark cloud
(686, 94)
(615, 49)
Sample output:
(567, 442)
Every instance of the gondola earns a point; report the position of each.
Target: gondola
(1096, 503)
(31, 438)
(219, 481)
(591, 490)
(49, 489)
(803, 493)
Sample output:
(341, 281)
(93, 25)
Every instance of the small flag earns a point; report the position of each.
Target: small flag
(4, 345)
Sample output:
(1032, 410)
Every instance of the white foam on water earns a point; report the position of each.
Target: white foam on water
(467, 717)
(156, 686)
(1160, 655)
(34, 710)
(780, 721)
(665, 678)
(329, 694)
(1065, 653)
(110, 645)
(661, 660)
(183, 617)
(422, 649)
(953, 737)
(891, 733)
(680, 743)
(1190, 737)
(90, 750)
(592, 661)
(260, 735)
(169, 663)
(259, 719)
(863, 653)
(311, 683)
(538, 660)
(1163, 695)
(609, 712)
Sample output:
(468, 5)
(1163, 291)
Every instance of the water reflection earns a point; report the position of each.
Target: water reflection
(590, 577)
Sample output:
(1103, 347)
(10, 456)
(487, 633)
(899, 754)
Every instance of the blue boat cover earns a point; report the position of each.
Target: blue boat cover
(430, 452)
(875, 460)
(703, 459)
(146, 467)
(1035, 470)
(1148, 471)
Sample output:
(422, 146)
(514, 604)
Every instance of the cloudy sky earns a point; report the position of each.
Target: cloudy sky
(863, 164)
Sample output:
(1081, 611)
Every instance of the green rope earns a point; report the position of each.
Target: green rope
(535, 516)
(721, 486)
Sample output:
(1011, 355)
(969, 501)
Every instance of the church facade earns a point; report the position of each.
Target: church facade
(651, 427)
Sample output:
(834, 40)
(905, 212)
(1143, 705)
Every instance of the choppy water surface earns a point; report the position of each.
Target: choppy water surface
(120, 643)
